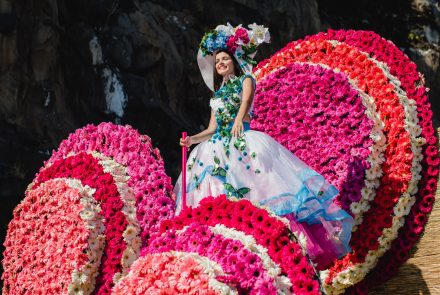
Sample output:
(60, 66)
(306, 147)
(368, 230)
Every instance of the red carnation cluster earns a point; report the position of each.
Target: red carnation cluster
(268, 231)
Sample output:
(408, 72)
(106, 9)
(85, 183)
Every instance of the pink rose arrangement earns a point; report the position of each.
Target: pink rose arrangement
(237, 40)
(404, 113)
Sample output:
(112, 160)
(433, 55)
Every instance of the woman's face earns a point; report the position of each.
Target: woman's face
(224, 64)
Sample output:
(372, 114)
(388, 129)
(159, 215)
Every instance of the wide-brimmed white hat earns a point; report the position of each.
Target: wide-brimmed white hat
(240, 42)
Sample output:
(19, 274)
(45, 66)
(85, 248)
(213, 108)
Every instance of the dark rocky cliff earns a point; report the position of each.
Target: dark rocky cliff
(64, 64)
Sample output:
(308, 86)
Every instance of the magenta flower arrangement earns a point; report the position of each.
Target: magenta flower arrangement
(144, 164)
(409, 167)
(412, 82)
(318, 114)
(244, 270)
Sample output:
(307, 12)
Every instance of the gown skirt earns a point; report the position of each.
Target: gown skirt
(263, 171)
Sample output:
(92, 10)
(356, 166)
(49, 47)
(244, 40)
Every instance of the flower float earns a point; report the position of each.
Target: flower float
(255, 249)
(348, 103)
(402, 185)
(130, 187)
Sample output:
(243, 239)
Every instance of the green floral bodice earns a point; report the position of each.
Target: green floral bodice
(225, 104)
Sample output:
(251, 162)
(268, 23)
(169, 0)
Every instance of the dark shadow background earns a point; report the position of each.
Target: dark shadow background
(414, 283)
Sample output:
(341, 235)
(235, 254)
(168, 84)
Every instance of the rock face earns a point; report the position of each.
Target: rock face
(425, 45)
(64, 64)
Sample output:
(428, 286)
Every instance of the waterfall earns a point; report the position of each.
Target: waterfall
(47, 101)
(95, 49)
(115, 96)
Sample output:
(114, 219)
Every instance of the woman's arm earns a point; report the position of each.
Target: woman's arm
(207, 133)
(247, 97)
(202, 136)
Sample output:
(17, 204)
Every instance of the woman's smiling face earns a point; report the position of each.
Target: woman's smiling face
(224, 64)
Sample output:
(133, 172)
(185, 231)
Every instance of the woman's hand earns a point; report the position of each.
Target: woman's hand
(237, 128)
(187, 142)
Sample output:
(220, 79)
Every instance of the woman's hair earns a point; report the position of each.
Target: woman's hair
(218, 79)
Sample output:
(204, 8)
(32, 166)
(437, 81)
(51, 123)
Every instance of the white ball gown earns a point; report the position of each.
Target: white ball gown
(258, 168)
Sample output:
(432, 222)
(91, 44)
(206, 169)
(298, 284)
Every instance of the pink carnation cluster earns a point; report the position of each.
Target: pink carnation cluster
(130, 186)
(318, 116)
(165, 273)
(152, 187)
(243, 269)
(48, 240)
(86, 168)
(268, 231)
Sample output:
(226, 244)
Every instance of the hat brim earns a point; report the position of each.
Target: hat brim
(207, 65)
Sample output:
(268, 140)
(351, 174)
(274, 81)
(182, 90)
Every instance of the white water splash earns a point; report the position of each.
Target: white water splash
(47, 101)
(95, 49)
(114, 92)
(176, 21)
(115, 96)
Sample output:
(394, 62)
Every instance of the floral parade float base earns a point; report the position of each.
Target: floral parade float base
(348, 103)
(127, 178)
(45, 232)
(255, 248)
(388, 226)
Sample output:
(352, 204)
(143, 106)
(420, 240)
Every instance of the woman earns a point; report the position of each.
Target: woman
(232, 159)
